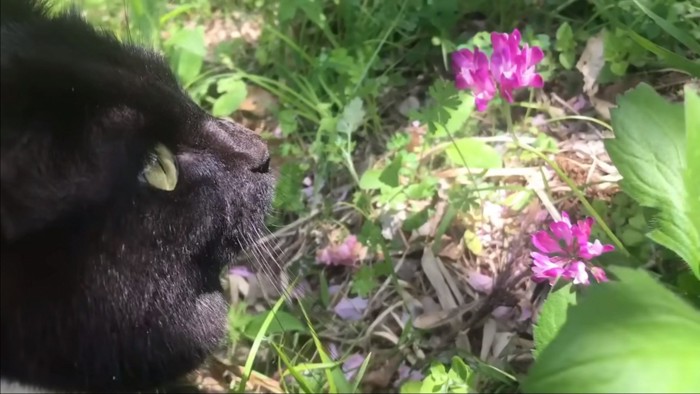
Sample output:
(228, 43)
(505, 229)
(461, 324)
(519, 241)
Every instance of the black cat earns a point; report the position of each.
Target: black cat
(122, 201)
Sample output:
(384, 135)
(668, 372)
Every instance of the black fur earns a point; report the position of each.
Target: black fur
(107, 283)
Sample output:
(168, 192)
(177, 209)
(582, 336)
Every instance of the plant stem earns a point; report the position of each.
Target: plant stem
(580, 196)
(578, 193)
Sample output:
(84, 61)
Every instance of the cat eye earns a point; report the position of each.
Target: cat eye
(160, 170)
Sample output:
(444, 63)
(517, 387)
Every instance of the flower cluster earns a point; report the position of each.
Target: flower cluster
(566, 252)
(510, 67)
(347, 253)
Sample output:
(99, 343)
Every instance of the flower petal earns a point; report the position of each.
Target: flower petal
(562, 231)
(577, 272)
(352, 364)
(599, 274)
(351, 308)
(545, 243)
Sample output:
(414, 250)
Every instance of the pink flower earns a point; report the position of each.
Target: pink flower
(348, 253)
(565, 252)
(510, 68)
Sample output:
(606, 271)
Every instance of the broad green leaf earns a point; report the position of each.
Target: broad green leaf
(458, 116)
(630, 336)
(281, 322)
(649, 150)
(410, 387)
(476, 154)
(390, 174)
(692, 170)
(228, 102)
(462, 370)
(552, 317)
(187, 50)
(188, 66)
(565, 37)
(370, 179)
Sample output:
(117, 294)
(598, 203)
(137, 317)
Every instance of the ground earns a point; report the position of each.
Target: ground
(406, 230)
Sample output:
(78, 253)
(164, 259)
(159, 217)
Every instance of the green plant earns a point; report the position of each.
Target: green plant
(458, 379)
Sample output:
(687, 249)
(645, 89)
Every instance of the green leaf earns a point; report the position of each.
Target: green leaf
(671, 58)
(416, 220)
(281, 322)
(462, 370)
(364, 281)
(446, 100)
(567, 60)
(552, 317)
(231, 100)
(436, 381)
(682, 36)
(410, 387)
(370, 180)
(629, 336)
(476, 154)
(352, 117)
(187, 50)
(390, 175)
(649, 150)
(457, 116)
(288, 195)
(691, 175)
(565, 38)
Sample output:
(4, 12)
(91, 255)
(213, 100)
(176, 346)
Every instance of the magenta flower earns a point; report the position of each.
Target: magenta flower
(565, 251)
(472, 70)
(510, 68)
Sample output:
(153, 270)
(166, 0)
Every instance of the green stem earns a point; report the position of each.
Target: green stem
(577, 192)
(580, 196)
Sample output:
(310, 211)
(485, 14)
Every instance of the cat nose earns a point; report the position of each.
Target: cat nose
(249, 144)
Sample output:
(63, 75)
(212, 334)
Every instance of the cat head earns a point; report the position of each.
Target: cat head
(122, 201)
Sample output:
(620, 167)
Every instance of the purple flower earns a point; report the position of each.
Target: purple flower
(240, 270)
(352, 364)
(406, 373)
(351, 308)
(472, 70)
(565, 251)
(510, 68)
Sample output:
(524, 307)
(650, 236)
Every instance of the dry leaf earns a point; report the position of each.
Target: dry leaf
(431, 268)
(591, 63)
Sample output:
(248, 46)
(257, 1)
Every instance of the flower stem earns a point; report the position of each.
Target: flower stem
(580, 196)
(509, 120)
(577, 192)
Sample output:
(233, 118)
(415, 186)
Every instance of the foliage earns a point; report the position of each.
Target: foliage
(650, 150)
(632, 335)
(425, 174)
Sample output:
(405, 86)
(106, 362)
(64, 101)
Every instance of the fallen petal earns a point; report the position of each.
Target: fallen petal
(240, 270)
(351, 308)
(352, 364)
(479, 282)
